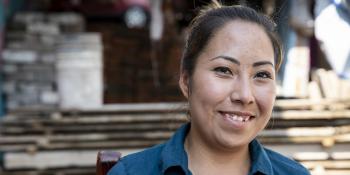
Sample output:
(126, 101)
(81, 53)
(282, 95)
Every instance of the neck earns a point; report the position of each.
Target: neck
(206, 159)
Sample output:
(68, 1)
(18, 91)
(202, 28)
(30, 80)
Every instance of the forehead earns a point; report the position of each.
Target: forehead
(242, 40)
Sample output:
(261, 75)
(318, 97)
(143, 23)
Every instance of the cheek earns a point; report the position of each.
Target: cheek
(209, 90)
(265, 98)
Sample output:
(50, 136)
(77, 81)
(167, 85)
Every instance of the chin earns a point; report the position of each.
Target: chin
(231, 142)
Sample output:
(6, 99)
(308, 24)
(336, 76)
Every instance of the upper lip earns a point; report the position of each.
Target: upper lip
(239, 113)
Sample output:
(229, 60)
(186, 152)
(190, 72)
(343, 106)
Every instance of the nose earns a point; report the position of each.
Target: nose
(242, 92)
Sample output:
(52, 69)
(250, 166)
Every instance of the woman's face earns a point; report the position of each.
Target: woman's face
(232, 90)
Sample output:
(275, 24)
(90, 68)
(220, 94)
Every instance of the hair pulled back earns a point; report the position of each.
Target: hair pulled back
(214, 17)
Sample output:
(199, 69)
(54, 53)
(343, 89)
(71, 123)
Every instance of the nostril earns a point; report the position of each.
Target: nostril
(242, 88)
(243, 96)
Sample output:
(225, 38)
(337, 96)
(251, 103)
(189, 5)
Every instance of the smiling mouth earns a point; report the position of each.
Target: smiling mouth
(241, 117)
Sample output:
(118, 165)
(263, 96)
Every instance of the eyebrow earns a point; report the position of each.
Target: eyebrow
(261, 63)
(228, 58)
(235, 61)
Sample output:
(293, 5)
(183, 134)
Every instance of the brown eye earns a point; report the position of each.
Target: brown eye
(263, 75)
(223, 70)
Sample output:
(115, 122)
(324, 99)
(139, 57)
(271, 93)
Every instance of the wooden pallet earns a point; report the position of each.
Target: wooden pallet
(29, 139)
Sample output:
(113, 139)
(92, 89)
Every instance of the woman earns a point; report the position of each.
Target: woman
(228, 76)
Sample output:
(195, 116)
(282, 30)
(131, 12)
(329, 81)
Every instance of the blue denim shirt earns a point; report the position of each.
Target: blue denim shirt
(170, 158)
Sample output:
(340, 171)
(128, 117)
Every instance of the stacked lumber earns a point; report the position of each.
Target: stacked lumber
(48, 58)
(67, 142)
(327, 84)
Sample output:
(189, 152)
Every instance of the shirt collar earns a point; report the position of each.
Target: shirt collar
(259, 158)
(174, 153)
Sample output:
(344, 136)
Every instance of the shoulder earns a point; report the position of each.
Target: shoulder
(143, 162)
(144, 157)
(284, 165)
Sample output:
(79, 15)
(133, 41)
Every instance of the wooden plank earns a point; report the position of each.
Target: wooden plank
(303, 103)
(307, 114)
(315, 96)
(47, 144)
(103, 119)
(344, 89)
(328, 164)
(322, 78)
(149, 135)
(24, 128)
(325, 130)
(88, 137)
(63, 171)
(76, 128)
(300, 140)
(334, 84)
(110, 108)
(61, 159)
(44, 160)
(337, 152)
(290, 104)
(322, 171)
(81, 145)
(285, 115)
(54, 159)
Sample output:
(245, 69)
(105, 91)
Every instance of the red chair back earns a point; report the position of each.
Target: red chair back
(105, 161)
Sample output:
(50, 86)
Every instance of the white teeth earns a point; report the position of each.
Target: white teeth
(235, 117)
(238, 118)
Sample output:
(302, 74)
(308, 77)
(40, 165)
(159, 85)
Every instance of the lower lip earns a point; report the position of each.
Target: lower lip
(238, 125)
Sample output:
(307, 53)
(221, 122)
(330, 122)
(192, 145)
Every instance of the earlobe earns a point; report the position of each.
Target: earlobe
(184, 84)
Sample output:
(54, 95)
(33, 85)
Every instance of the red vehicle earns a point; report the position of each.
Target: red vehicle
(135, 13)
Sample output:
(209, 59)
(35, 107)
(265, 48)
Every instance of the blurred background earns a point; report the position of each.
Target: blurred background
(80, 76)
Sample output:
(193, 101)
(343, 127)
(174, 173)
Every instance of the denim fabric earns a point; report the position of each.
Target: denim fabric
(170, 158)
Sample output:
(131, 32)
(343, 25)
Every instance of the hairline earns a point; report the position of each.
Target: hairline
(227, 22)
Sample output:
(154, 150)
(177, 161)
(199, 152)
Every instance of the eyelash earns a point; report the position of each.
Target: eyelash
(263, 75)
(227, 71)
(223, 70)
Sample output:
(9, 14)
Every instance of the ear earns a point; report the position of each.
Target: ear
(184, 84)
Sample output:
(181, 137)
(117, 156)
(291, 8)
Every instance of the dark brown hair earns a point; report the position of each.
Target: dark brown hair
(215, 16)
